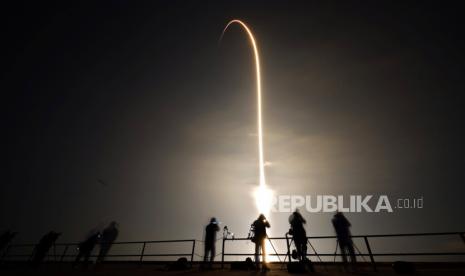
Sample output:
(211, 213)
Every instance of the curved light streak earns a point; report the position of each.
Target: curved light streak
(259, 96)
(262, 194)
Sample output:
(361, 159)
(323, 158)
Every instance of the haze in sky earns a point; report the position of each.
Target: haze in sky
(132, 112)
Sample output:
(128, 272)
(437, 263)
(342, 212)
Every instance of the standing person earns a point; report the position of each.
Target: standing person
(259, 227)
(299, 235)
(86, 247)
(109, 235)
(42, 248)
(210, 240)
(344, 237)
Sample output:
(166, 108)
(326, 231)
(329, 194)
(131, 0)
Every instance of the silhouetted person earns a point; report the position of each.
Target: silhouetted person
(44, 245)
(5, 239)
(210, 239)
(109, 235)
(344, 237)
(86, 247)
(259, 227)
(299, 235)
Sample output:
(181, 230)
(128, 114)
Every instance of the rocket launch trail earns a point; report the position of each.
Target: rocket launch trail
(262, 194)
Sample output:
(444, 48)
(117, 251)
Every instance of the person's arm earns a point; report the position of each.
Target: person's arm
(334, 223)
(267, 224)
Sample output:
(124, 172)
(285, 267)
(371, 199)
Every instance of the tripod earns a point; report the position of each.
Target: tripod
(276, 252)
(308, 242)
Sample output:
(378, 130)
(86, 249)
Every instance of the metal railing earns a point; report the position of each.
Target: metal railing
(365, 238)
(66, 246)
(142, 255)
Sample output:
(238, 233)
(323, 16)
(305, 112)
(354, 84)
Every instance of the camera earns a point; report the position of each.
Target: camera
(227, 233)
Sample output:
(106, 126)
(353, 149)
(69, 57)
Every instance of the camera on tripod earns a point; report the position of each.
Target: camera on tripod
(227, 234)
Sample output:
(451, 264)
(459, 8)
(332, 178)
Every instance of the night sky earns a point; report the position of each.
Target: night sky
(131, 111)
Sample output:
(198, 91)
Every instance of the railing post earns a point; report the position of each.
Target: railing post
(222, 254)
(142, 252)
(64, 253)
(371, 254)
(193, 252)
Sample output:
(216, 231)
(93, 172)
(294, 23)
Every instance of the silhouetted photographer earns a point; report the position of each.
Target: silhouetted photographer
(109, 235)
(258, 228)
(299, 235)
(86, 247)
(210, 241)
(42, 248)
(344, 237)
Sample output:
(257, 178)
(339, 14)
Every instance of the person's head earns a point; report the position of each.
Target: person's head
(338, 214)
(297, 210)
(54, 234)
(113, 224)
(213, 220)
(261, 217)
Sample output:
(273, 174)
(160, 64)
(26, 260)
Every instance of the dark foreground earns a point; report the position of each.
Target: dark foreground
(132, 269)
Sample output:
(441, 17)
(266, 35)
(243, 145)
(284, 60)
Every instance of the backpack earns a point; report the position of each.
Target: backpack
(252, 235)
